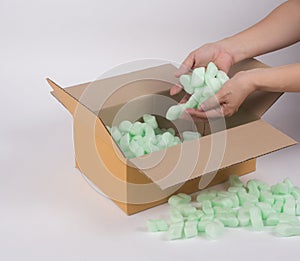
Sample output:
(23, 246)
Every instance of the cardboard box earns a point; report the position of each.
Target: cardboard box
(228, 146)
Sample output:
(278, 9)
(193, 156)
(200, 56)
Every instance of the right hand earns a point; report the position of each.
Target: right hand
(211, 52)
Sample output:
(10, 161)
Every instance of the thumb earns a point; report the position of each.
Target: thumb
(186, 66)
(224, 63)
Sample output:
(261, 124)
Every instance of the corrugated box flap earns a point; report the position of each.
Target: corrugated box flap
(122, 88)
(77, 109)
(192, 159)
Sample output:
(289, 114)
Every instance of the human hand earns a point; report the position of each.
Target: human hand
(211, 52)
(228, 99)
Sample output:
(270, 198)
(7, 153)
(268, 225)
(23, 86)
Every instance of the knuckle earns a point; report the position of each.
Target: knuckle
(207, 45)
(239, 76)
(191, 55)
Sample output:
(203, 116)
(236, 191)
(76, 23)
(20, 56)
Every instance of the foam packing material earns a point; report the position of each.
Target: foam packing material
(254, 205)
(136, 139)
(201, 85)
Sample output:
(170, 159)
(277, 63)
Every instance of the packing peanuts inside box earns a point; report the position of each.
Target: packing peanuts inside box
(228, 146)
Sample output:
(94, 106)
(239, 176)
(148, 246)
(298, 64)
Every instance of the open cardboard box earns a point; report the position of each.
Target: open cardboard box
(227, 147)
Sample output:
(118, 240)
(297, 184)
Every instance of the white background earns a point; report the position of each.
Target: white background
(47, 210)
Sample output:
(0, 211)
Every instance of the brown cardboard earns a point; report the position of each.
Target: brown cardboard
(132, 184)
(244, 142)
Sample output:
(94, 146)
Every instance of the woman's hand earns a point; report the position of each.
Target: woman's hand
(211, 52)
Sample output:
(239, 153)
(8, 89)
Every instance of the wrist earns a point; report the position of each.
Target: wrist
(235, 48)
(257, 78)
(248, 80)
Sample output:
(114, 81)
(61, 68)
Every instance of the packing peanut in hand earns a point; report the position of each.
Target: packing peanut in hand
(202, 84)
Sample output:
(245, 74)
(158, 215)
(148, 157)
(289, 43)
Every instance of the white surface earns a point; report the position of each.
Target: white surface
(47, 210)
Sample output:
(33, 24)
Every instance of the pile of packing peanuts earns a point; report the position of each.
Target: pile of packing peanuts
(255, 204)
(140, 138)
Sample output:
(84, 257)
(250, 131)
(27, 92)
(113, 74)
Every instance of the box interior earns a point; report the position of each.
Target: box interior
(158, 104)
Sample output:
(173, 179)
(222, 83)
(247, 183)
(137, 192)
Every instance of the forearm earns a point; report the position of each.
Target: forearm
(277, 79)
(279, 29)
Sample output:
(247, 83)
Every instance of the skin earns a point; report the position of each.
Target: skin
(277, 30)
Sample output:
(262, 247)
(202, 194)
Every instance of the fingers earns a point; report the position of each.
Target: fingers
(175, 89)
(186, 66)
(224, 62)
(211, 103)
(204, 115)
(185, 98)
(189, 117)
(224, 67)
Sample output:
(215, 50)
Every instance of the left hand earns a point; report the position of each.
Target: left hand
(228, 99)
